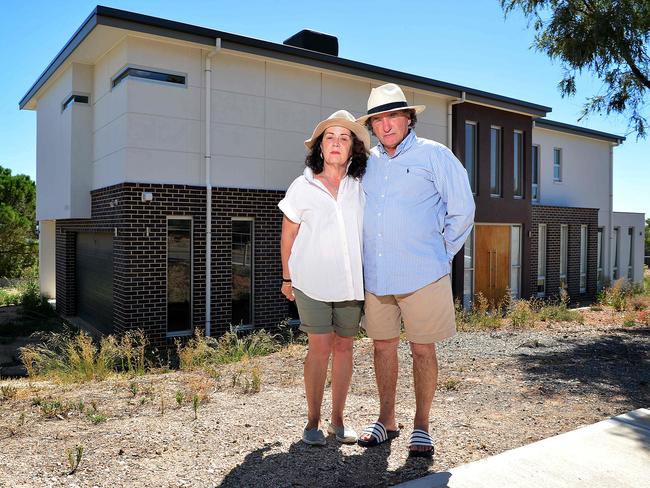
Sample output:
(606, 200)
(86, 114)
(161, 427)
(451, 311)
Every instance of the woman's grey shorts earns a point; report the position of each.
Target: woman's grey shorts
(318, 317)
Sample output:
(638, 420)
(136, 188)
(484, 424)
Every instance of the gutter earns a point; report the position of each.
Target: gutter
(462, 99)
(208, 186)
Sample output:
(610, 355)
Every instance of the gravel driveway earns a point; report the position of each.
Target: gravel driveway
(497, 391)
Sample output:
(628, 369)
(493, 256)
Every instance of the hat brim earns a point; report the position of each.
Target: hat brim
(418, 110)
(356, 128)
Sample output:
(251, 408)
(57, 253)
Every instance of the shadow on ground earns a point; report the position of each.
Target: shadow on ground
(327, 466)
(614, 365)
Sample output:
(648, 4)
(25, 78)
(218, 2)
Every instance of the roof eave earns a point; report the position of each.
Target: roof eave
(579, 131)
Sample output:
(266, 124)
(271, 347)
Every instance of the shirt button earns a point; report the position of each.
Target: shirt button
(379, 214)
(383, 196)
(385, 177)
(378, 235)
(379, 254)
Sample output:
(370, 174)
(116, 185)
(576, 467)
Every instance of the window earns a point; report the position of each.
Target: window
(518, 170)
(515, 261)
(541, 260)
(242, 272)
(535, 175)
(470, 153)
(468, 275)
(73, 99)
(630, 261)
(616, 242)
(179, 276)
(600, 279)
(496, 154)
(145, 74)
(564, 254)
(557, 164)
(583, 259)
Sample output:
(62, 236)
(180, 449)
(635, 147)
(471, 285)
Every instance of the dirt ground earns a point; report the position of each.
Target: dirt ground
(497, 391)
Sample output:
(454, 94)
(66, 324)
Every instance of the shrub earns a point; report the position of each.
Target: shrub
(78, 357)
(201, 351)
(32, 303)
(481, 316)
(9, 296)
(644, 317)
(615, 296)
(629, 318)
(559, 313)
(522, 314)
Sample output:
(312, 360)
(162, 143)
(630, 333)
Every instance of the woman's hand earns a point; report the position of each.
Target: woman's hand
(287, 291)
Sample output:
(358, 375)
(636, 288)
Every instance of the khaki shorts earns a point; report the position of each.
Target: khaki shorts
(428, 314)
(324, 317)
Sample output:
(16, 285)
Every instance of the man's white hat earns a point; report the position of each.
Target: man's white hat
(388, 98)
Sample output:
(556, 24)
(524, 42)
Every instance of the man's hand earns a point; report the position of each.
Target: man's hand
(287, 291)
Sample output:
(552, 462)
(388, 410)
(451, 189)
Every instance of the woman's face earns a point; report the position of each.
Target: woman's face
(336, 145)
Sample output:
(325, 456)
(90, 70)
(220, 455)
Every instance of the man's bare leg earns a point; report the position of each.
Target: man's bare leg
(386, 367)
(425, 378)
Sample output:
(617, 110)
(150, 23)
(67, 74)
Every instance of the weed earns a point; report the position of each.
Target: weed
(97, 418)
(638, 302)
(81, 406)
(521, 314)
(51, 408)
(248, 381)
(162, 405)
(195, 405)
(74, 458)
(179, 398)
(9, 297)
(615, 296)
(133, 388)
(451, 384)
(256, 380)
(629, 318)
(481, 316)
(8, 392)
(559, 313)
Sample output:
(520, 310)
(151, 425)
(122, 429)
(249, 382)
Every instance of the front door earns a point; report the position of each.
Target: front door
(492, 258)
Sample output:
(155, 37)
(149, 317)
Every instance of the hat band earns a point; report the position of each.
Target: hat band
(387, 106)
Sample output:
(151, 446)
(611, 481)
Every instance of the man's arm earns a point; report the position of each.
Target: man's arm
(456, 193)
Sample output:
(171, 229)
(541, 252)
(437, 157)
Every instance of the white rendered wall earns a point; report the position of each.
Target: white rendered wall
(262, 111)
(586, 180)
(625, 220)
(47, 257)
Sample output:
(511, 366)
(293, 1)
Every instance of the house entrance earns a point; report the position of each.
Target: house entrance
(492, 258)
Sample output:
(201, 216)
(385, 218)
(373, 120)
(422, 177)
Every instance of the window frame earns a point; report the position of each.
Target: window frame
(584, 238)
(251, 325)
(534, 182)
(615, 266)
(557, 163)
(630, 260)
(472, 176)
(564, 254)
(190, 331)
(467, 302)
(600, 249)
(513, 265)
(541, 260)
(121, 75)
(496, 162)
(518, 163)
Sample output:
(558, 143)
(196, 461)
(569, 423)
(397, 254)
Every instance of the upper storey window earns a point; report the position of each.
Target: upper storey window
(150, 75)
(557, 164)
(496, 160)
(72, 99)
(518, 159)
(470, 153)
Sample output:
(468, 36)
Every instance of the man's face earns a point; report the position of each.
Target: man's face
(391, 128)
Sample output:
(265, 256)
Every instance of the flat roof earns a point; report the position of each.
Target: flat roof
(177, 30)
(577, 130)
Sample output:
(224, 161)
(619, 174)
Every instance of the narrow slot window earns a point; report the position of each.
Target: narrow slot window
(630, 261)
(496, 160)
(564, 254)
(583, 259)
(541, 260)
(468, 275)
(470, 153)
(518, 170)
(74, 99)
(144, 74)
(557, 164)
(535, 174)
(242, 273)
(515, 261)
(179, 276)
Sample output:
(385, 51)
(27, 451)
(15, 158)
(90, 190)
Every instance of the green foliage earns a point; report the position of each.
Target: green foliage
(9, 297)
(18, 243)
(559, 313)
(201, 351)
(480, 317)
(615, 296)
(78, 357)
(74, 458)
(608, 38)
(522, 314)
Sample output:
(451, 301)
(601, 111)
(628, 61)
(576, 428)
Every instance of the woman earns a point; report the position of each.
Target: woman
(321, 262)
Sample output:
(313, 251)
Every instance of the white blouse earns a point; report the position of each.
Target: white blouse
(325, 260)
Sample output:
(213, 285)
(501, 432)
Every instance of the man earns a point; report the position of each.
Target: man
(419, 211)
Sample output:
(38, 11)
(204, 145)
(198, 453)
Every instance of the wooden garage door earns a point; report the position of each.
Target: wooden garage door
(95, 280)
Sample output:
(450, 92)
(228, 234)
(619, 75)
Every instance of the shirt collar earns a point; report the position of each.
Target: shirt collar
(309, 173)
(403, 146)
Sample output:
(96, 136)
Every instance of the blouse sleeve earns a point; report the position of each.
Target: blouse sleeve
(290, 204)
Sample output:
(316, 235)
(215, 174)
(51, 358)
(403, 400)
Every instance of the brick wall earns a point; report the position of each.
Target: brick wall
(139, 232)
(554, 217)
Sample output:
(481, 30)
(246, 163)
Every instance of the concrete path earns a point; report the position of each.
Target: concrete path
(611, 453)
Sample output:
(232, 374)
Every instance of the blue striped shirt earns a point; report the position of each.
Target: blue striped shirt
(419, 211)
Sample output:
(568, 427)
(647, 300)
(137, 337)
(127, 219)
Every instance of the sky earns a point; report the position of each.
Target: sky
(467, 42)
